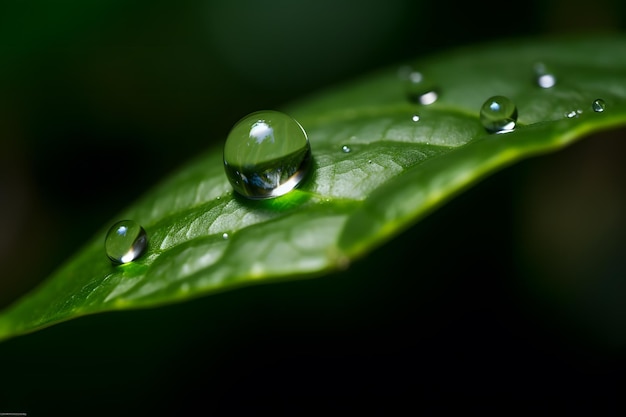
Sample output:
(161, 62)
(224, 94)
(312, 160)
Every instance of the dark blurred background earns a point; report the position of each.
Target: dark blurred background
(510, 297)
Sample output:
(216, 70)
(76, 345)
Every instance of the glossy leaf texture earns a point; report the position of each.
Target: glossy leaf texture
(377, 169)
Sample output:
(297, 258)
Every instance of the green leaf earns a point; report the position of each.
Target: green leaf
(203, 239)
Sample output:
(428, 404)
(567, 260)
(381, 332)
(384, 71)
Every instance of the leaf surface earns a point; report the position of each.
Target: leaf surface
(203, 239)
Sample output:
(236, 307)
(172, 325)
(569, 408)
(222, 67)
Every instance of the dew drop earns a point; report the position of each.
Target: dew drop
(546, 81)
(346, 149)
(415, 118)
(498, 114)
(598, 105)
(419, 90)
(266, 155)
(125, 241)
(543, 77)
(573, 114)
(415, 78)
(225, 236)
(428, 97)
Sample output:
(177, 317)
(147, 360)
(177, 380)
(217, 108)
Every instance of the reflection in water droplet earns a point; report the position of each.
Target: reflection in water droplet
(598, 105)
(267, 154)
(346, 149)
(498, 114)
(543, 77)
(125, 241)
(225, 236)
(415, 118)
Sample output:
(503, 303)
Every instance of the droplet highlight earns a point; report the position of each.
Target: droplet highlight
(573, 114)
(544, 78)
(125, 241)
(598, 105)
(266, 155)
(498, 114)
(345, 149)
(415, 118)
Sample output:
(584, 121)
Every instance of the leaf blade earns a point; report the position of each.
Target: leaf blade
(204, 239)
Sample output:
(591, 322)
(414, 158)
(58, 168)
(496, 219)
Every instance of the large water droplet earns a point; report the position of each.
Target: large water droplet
(598, 105)
(498, 114)
(543, 77)
(266, 155)
(419, 89)
(125, 241)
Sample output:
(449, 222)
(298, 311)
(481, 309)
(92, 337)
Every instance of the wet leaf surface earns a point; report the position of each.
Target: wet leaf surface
(204, 239)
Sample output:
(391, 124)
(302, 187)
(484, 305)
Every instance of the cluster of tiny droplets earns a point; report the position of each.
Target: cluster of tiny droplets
(496, 119)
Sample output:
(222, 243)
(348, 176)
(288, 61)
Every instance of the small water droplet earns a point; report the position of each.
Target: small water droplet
(498, 114)
(544, 78)
(125, 241)
(225, 236)
(573, 114)
(415, 77)
(419, 89)
(415, 118)
(428, 97)
(266, 154)
(346, 149)
(598, 105)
